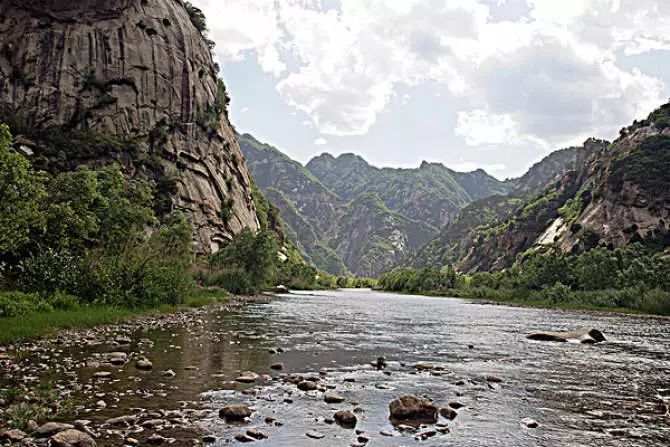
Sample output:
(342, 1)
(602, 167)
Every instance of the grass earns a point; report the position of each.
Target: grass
(41, 324)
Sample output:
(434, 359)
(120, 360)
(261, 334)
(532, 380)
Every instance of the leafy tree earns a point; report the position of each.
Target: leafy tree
(22, 191)
(597, 269)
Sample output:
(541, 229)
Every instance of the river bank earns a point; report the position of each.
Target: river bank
(635, 303)
(39, 324)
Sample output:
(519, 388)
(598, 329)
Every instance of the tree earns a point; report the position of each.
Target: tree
(22, 191)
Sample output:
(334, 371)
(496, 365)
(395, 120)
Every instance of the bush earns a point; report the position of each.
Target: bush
(148, 273)
(63, 301)
(234, 280)
(13, 304)
(49, 272)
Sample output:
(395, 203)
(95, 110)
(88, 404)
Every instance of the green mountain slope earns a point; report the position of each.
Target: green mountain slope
(338, 236)
(431, 193)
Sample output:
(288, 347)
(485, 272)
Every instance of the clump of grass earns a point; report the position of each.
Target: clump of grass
(40, 404)
(207, 296)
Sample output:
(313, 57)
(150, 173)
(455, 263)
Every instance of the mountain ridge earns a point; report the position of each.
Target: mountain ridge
(369, 218)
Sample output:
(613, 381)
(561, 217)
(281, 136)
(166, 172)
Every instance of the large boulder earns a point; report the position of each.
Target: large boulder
(235, 412)
(72, 438)
(413, 409)
(588, 335)
(346, 419)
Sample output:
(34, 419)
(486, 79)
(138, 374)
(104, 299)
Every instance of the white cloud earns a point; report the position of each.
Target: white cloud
(320, 141)
(241, 26)
(244, 110)
(545, 79)
(481, 127)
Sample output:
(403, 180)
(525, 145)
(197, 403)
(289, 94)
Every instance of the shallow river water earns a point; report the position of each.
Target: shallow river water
(609, 394)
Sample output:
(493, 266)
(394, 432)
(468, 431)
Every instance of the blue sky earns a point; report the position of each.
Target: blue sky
(472, 84)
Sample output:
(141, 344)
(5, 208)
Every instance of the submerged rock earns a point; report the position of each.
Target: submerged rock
(256, 434)
(235, 412)
(588, 336)
(315, 434)
(332, 398)
(247, 377)
(448, 413)
(412, 408)
(307, 385)
(144, 365)
(346, 419)
(529, 423)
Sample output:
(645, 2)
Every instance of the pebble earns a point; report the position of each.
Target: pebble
(315, 434)
(144, 365)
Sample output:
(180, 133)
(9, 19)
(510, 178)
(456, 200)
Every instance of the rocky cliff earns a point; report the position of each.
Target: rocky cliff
(612, 195)
(489, 233)
(141, 73)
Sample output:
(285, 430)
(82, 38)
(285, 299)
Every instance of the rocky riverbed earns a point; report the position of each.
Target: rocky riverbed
(342, 368)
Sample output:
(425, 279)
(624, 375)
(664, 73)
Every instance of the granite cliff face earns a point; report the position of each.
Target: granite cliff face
(139, 71)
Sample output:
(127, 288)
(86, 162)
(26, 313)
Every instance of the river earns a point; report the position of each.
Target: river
(609, 394)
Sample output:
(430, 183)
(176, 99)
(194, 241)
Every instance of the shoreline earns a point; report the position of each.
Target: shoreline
(576, 307)
(60, 323)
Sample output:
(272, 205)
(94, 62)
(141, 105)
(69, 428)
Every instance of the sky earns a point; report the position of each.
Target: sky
(491, 84)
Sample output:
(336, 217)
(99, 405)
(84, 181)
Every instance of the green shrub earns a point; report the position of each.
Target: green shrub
(147, 273)
(63, 301)
(234, 280)
(13, 304)
(49, 272)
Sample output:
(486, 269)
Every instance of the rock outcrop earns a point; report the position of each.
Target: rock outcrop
(139, 71)
(586, 336)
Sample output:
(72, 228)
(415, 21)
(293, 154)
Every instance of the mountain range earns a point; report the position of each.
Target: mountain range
(347, 216)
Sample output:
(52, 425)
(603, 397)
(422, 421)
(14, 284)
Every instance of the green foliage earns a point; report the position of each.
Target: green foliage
(13, 304)
(253, 256)
(86, 236)
(197, 17)
(147, 271)
(44, 403)
(22, 191)
(209, 121)
(574, 207)
(661, 117)
(419, 280)
(632, 278)
(647, 165)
